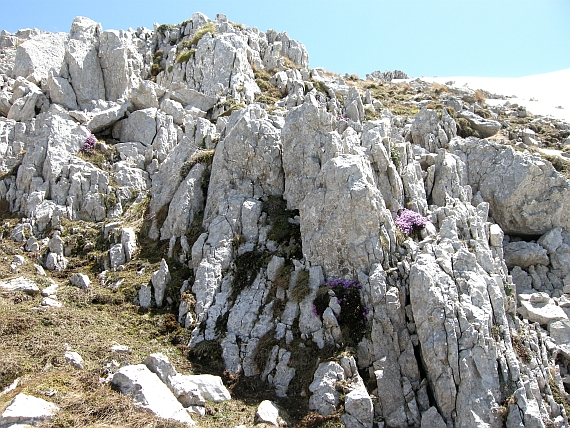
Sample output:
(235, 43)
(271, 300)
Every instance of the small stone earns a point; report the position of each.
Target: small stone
(145, 296)
(27, 410)
(50, 291)
(80, 280)
(268, 412)
(18, 260)
(40, 270)
(160, 279)
(121, 349)
(52, 303)
(74, 359)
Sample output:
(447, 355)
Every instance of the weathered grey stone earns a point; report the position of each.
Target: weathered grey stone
(129, 243)
(149, 392)
(20, 284)
(73, 359)
(247, 161)
(211, 387)
(190, 98)
(268, 413)
(38, 55)
(121, 63)
(161, 366)
(61, 92)
(335, 239)
(140, 127)
(485, 127)
(325, 398)
(187, 202)
(51, 302)
(27, 410)
(160, 279)
(524, 254)
(540, 311)
(358, 404)
(100, 119)
(432, 419)
(145, 296)
(530, 200)
(430, 132)
(116, 256)
(80, 280)
(24, 108)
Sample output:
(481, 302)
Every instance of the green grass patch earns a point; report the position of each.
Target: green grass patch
(185, 56)
(209, 27)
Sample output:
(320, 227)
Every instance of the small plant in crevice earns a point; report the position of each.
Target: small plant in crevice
(353, 314)
(209, 27)
(409, 221)
(301, 288)
(185, 55)
(247, 266)
(395, 155)
(205, 156)
(156, 68)
(230, 105)
(89, 144)
(522, 351)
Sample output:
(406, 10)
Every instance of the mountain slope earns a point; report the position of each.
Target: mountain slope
(359, 252)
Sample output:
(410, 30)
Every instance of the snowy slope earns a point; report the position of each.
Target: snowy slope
(542, 94)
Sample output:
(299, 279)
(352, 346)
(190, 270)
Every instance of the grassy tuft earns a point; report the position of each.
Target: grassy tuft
(209, 27)
(301, 288)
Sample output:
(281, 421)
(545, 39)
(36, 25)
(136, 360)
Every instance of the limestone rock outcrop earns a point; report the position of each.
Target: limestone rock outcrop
(268, 199)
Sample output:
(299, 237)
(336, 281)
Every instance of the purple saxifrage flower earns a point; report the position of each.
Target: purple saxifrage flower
(407, 220)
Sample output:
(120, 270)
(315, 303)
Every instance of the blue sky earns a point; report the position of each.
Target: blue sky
(495, 38)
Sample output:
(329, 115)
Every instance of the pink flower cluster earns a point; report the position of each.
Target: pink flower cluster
(89, 144)
(407, 220)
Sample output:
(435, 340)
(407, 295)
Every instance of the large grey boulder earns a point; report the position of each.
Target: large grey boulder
(105, 117)
(82, 59)
(38, 55)
(431, 132)
(27, 97)
(307, 144)
(524, 254)
(485, 127)
(188, 97)
(211, 387)
(140, 127)
(247, 161)
(80, 280)
(325, 397)
(458, 368)
(121, 63)
(341, 217)
(538, 307)
(220, 63)
(186, 203)
(432, 419)
(61, 91)
(189, 390)
(267, 412)
(531, 199)
(148, 391)
(26, 410)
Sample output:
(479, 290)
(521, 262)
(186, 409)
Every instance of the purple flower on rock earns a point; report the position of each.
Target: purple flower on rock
(89, 144)
(407, 220)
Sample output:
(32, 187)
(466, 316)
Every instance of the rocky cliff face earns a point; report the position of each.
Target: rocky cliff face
(280, 187)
